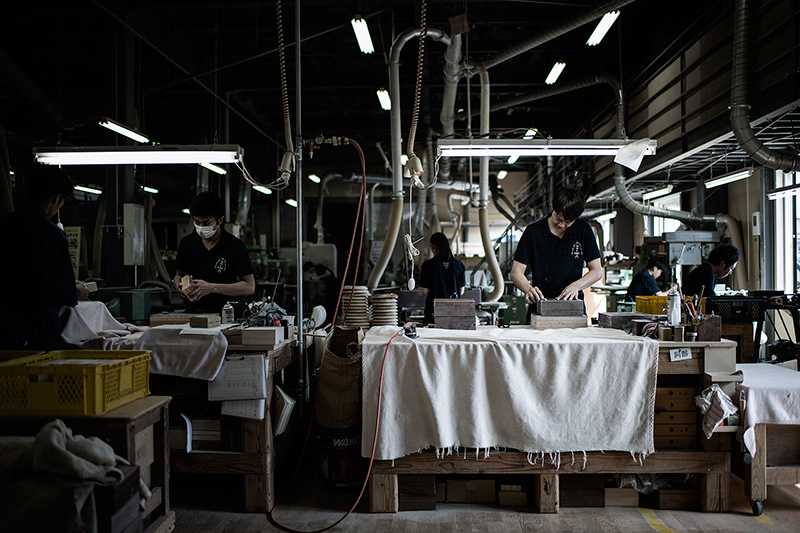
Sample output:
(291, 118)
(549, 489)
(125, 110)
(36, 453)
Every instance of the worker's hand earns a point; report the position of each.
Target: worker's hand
(570, 293)
(201, 288)
(534, 295)
(83, 290)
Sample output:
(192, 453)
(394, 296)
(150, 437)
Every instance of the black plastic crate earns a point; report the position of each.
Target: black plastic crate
(736, 308)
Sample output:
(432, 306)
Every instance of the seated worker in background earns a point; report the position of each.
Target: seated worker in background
(37, 271)
(721, 262)
(644, 283)
(556, 248)
(216, 260)
(442, 276)
(324, 274)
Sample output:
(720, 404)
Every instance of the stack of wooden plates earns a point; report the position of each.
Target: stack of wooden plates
(360, 312)
(384, 310)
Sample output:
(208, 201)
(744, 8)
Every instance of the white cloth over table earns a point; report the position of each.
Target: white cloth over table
(558, 390)
(88, 320)
(773, 397)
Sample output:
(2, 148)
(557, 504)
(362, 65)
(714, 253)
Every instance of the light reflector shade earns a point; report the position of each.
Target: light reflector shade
(555, 72)
(123, 130)
(162, 154)
(362, 35)
(729, 178)
(534, 147)
(602, 28)
(383, 97)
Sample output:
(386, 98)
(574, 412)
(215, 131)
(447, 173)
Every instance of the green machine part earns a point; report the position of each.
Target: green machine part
(516, 310)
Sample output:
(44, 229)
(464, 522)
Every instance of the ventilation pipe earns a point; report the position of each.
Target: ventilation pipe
(456, 217)
(483, 198)
(245, 191)
(323, 190)
(740, 110)
(397, 168)
(452, 58)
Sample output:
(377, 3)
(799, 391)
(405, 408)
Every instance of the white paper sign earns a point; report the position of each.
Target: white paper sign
(679, 354)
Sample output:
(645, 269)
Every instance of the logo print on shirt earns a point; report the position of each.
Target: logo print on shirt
(220, 265)
(577, 250)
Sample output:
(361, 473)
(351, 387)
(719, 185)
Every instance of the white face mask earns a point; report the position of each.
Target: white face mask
(206, 231)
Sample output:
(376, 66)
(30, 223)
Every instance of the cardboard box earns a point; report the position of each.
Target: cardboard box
(242, 377)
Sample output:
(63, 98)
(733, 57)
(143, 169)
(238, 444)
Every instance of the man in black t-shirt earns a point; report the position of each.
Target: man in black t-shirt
(644, 283)
(442, 276)
(556, 249)
(217, 261)
(721, 262)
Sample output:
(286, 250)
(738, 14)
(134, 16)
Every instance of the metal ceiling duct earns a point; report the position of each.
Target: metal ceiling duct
(740, 110)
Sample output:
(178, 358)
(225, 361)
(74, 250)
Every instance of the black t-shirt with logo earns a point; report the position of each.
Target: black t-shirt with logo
(443, 277)
(226, 262)
(556, 262)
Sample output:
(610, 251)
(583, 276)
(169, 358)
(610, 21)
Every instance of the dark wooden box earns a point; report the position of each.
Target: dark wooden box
(416, 492)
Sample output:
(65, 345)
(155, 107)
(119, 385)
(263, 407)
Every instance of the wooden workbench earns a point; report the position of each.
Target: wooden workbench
(256, 462)
(710, 362)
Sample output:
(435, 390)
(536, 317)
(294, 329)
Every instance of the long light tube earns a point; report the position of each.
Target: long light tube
(186, 210)
(262, 189)
(607, 216)
(502, 174)
(123, 130)
(729, 178)
(782, 192)
(362, 34)
(657, 193)
(534, 147)
(602, 28)
(530, 134)
(383, 98)
(512, 159)
(214, 168)
(291, 201)
(314, 178)
(162, 154)
(90, 190)
(555, 73)
(150, 190)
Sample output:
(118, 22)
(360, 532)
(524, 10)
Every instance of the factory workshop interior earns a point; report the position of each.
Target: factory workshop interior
(400, 265)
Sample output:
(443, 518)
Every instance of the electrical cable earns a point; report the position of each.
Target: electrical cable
(418, 89)
(287, 123)
(369, 466)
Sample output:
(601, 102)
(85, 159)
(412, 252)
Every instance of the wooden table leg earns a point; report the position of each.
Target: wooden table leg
(756, 486)
(546, 492)
(383, 493)
(259, 489)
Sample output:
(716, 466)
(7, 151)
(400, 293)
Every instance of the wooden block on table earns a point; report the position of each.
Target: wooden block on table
(559, 307)
(626, 497)
(459, 307)
(557, 322)
(455, 322)
(205, 321)
(621, 320)
(160, 320)
(638, 324)
(710, 329)
(264, 336)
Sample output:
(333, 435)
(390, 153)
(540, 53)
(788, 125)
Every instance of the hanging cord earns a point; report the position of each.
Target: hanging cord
(369, 467)
(418, 90)
(287, 122)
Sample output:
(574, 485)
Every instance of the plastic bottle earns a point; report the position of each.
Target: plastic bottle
(674, 308)
(227, 313)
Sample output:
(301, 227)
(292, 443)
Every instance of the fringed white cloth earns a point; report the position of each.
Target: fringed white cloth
(551, 391)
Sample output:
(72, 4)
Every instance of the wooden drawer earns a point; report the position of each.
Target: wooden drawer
(682, 442)
(674, 430)
(675, 399)
(676, 417)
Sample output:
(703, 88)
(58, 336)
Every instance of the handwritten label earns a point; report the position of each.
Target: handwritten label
(680, 354)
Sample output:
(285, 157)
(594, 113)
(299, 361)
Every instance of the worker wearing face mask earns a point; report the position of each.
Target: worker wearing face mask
(216, 260)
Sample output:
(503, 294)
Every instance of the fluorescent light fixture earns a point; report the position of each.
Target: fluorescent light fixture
(362, 34)
(555, 73)
(657, 193)
(782, 192)
(186, 210)
(729, 178)
(90, 190)
(291, 201)
(530, 134)
(607, 216)
(162, 154)
(602, 28)
(403, 159)
(214, 168)
(150, 190)
(123, 130)
(512, 159)
(262, 189)
(534, 147)
(502, 174)
(383, 97)
(314, 178)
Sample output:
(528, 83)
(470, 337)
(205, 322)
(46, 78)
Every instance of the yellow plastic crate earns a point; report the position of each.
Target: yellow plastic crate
(73, 382)
(657, 305)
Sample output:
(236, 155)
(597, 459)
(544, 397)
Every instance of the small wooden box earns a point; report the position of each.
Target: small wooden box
(620, 320)
(559, 307)
(452, 313)
(205, 321)
(266, 336)
(710, 329)
(160, 320)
